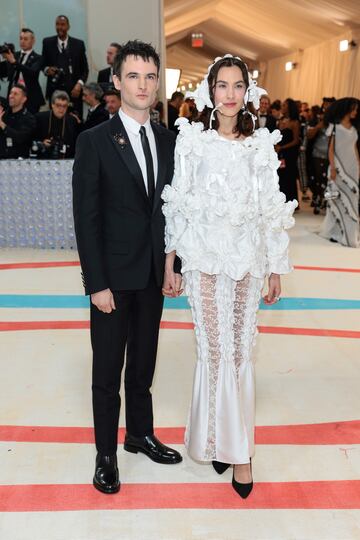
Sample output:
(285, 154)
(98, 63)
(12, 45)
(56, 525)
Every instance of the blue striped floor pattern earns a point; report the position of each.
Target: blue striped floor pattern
(79, 301)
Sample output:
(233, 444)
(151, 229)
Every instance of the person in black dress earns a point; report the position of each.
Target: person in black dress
(288, 149)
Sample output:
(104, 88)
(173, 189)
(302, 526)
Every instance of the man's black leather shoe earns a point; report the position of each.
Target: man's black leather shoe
(153, 448)
(106, 477)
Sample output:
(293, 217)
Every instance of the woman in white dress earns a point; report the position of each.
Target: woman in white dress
(341, 223)
(226, 220)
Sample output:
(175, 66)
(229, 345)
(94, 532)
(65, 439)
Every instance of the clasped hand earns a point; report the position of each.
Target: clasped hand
(172, 284)
(274, 291)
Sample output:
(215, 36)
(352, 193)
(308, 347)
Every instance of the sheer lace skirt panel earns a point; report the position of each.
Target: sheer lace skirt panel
(221, 417)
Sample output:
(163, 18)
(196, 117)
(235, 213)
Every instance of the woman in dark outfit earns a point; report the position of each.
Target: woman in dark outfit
(288, 149)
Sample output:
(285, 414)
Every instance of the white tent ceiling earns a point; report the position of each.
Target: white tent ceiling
(256, 30)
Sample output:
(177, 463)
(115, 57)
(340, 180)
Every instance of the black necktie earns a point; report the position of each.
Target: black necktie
(149, 164)
(22, 56)
(62, 47)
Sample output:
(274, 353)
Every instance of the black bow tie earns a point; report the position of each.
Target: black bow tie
(263, 115)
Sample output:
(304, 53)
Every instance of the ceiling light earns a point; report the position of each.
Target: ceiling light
(343, 45)
(172, 77)
(289, 66)
(255, 74)
(190, 85)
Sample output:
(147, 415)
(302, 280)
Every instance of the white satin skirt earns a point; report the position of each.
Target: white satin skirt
(221, 420)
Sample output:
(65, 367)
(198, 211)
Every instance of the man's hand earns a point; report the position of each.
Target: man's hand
(76, 117)
(51, 70)
(2, 112)
(172, 284)
(9, 56)
(47, 142)
(104, 301)
(75, 92)
(274, 292)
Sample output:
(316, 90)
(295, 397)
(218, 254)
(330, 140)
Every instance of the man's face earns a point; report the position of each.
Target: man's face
(304, 108)
(17, 98)
(110, 55)
(62, 27)
(88, 97)
(59, 107)
(264, 105)
(138, 84)
(113, 104)
(27, 41)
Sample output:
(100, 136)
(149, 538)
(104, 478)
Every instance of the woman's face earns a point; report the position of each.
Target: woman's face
(353, 112)
(229, 90)
(285, 108)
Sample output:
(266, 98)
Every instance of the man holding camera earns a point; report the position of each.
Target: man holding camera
(16, 126)
(65, 62)
(23, 67)
(56, 130)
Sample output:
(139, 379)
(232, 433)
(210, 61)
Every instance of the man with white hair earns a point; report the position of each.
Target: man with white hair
(92, 95)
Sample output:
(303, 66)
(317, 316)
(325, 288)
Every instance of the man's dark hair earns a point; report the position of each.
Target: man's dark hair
(116, 46)
(135, 48)
(176, 95)
(64, 17)
(27, 30)
(276, 105)
(293, 110)
(112, 92)
(22, 88)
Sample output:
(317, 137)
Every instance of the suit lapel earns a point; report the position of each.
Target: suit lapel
(126, 153)
(162, 160)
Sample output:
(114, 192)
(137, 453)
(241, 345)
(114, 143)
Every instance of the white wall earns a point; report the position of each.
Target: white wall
(121, 20)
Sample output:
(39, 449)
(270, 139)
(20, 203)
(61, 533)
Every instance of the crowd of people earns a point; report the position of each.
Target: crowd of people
(304, 150)
(51, 134)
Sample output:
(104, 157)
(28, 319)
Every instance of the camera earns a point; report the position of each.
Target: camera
(57, 76)
(7, 47)
(56, 150)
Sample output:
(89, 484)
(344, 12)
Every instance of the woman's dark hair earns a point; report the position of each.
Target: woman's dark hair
(340, 108)
(293, 110)
(245, 124)
(136, 48)
(276, 105)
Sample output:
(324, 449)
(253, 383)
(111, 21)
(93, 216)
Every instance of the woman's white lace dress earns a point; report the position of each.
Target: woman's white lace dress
(226, 219)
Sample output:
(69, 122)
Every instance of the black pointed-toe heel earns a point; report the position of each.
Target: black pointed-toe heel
(243, 490)
(220, 467)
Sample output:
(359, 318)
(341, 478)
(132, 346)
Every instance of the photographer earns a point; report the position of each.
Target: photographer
(56, 130)
(23, 67)
(17, 126)
(65, 62)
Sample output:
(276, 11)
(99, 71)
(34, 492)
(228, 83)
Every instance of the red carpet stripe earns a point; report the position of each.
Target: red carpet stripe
(339, 494)
(54, 264)
(58, 264)
(9, 326)
(347, 432)
(327, 269)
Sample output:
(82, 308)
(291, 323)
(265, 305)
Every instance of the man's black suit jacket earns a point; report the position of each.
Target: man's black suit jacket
(104, 75)
(77, 55)
(119, 236)
(30, 71)
(96, 117)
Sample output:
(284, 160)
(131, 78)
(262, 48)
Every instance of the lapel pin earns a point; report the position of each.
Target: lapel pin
(120, 139)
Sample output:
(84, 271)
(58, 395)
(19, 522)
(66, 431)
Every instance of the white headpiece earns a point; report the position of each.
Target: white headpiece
(201, 95)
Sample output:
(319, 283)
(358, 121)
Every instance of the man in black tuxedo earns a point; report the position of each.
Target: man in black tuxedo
(23, 68)
(97, 113)
(65, 63)
(120, 170)
(265, 119)
(105, 76)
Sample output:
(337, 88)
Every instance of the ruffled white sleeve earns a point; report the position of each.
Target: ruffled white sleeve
(177, 195)
(276, 214)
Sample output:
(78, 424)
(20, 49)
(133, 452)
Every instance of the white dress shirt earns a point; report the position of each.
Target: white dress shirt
(133, 130)
(24, 60)
(60, 42)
